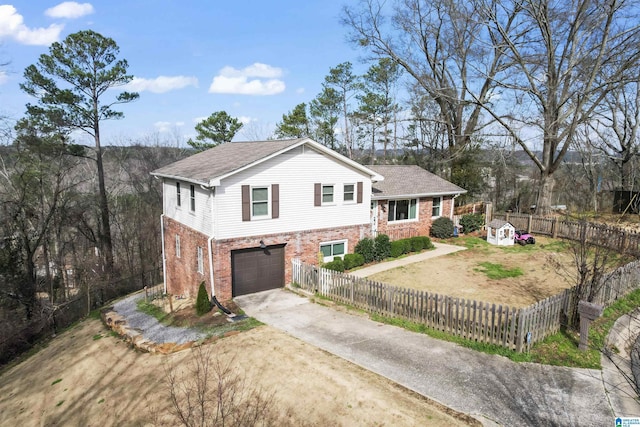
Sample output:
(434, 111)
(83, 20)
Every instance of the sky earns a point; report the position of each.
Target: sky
(254, 59)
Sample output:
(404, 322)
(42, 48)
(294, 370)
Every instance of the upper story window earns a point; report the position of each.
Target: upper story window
(327, 194)
(178, 196)
(259, 202)
(436, 210)
(402, 210)
(193, 197)
(349, 193)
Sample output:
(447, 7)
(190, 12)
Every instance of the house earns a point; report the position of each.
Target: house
(236, 215)
(500, 233)
(409, 199)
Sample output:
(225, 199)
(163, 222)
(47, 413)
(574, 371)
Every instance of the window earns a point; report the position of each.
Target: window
(193, 198)
(177, 246)
(333, 249)
(402, 210)
(200, 261)
(327, 194)
(179, 201)
(259, 202)
(437, 206)
(349, 192)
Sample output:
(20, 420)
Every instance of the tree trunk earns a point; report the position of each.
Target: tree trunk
(105, 234)
(545, 193)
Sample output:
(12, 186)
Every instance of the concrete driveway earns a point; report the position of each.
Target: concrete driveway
(491, 388)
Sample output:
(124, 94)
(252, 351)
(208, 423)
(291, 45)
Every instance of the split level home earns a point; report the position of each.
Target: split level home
(235, 216)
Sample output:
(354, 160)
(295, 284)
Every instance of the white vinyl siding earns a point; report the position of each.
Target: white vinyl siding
(297, 173)
(201, 219)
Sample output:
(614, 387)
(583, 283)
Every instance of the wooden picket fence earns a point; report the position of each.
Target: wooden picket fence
(512, 328)
(615, 238)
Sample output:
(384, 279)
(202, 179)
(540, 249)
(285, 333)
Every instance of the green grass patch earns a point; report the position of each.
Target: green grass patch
(56, 381)
(100, 401)
(154, 311)
(498, 271)
(60, 403)
(96, 337)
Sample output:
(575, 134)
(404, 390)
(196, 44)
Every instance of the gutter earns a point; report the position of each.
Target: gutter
(213, 291)
(164, 258)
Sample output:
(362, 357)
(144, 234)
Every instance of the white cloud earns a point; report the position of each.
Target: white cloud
(3, 77)
(246, 119)
(163, 127)
(70, 10)
(300, 90)
(161, 84)
(197, 120)
(256, 79)
(12, 26)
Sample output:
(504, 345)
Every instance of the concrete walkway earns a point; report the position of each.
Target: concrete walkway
(440, 249)
(491, 388)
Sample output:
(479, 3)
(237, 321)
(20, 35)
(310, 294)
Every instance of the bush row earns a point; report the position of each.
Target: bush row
(369, 250)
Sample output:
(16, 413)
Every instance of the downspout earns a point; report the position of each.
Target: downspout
(210, 240)
(453, 202)
(164, 258)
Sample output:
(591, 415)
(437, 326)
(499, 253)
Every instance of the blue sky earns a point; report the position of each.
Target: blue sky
(254, 59)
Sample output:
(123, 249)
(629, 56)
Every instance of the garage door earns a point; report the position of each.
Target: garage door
(255, 270)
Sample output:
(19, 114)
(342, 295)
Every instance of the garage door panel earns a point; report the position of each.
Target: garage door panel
(255, 270)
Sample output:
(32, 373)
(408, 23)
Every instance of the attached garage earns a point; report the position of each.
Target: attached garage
(255, 270)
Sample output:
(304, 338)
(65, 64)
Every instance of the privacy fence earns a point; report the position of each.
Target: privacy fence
(509, 327)
(615, 238)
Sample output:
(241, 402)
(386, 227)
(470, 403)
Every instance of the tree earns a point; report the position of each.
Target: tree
(437, 44)
(295, 124)
(324, 111)
(379, 86)
(616, 128)
(565, 58)
(345, 83)
(216, 129)
(70, 84)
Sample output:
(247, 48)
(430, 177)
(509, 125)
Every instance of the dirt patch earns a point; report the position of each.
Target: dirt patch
(460, 274)
(88, 377)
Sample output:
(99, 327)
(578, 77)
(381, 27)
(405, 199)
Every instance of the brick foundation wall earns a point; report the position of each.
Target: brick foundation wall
(182, 277)
(403, 230)
(181, 273)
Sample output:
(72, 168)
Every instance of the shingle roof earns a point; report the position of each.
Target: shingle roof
(498, 223)
(410, 180)
(225, 159)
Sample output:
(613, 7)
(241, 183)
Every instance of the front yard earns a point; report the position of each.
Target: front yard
(516, 276)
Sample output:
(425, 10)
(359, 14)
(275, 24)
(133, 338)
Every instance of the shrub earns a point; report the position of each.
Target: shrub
(382, 247)
(202, 301)
(471, 222)
(417, 244)
(442, 228)
(365, 247)
(426, 242)
(336, 265)
(397, 248)
(406, 246)
(353, 261)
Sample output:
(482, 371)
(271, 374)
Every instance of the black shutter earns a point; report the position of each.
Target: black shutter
(275, 200)
(246, 204)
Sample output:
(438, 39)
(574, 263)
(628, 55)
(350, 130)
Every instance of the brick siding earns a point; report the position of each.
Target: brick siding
(182, 277)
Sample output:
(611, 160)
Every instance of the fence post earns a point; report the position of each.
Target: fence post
(530, 220)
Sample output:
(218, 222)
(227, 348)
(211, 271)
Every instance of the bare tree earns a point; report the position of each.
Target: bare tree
(209, 391)
(616, 128)
(437, 44)
(565, 58)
